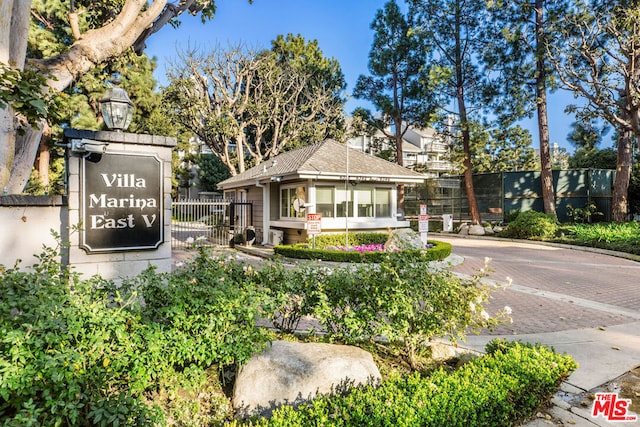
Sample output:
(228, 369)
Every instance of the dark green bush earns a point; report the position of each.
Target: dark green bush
(339, 239)
(87, 352)
(440, 251)
(296, 291)
(501, 389)
(532, 225)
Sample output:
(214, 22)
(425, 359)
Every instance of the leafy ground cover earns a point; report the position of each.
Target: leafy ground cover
(623, 237)
(530, 225)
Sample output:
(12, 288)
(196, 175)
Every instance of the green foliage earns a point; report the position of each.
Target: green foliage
(88, 352)
(400, 298)
(498, 150)
(405, 302)
(339, 239)
(588, 213)
(440, 251)
(502, 389)
(212, 171)
(297, 292)
(22, 91)
(594, 159)
(533, 225)
(623, 237)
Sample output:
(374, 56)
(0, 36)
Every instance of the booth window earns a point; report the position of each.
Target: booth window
(383, 202)
(342, 196)
(324, 202)
(364, 198)
(292, 202)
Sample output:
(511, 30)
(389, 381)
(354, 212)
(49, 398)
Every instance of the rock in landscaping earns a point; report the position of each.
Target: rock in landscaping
(403, 239)
(464, 230)
(476, 230)
(488, 231)
(291, 372)
(441, 352)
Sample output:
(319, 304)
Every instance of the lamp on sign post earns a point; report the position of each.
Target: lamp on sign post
(117, 108)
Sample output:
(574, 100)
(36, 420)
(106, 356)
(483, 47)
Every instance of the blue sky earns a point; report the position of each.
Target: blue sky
(342, 28)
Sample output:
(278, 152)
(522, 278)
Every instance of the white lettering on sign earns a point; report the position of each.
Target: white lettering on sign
(99, 222)
(146, 220)
(102, 201)
(123, 180)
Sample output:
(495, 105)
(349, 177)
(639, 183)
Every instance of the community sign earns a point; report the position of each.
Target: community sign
(121, 203)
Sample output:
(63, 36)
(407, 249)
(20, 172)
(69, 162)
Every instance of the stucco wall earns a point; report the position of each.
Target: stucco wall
(25, 226)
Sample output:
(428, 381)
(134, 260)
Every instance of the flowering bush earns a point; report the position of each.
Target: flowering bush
(372, 247)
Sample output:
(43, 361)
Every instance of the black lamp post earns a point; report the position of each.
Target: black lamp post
(117, 108)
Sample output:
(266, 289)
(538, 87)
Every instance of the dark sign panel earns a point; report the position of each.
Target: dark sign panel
(121, 203)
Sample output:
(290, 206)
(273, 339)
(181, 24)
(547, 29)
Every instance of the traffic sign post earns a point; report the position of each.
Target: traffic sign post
(314, 226)
(423, 224)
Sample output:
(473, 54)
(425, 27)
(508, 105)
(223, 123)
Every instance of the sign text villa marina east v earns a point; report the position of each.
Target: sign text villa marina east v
(121, 203)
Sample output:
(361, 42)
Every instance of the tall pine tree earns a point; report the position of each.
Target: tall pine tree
(398, 84)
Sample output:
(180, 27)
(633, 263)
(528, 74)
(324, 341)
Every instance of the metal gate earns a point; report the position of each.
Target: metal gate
(199, 222)
(208, 222)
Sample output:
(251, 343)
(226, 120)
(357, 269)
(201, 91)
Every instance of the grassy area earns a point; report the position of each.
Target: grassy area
(623, 237)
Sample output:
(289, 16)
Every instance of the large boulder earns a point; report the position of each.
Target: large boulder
(403, 239)
(291, 372)
(476, 230)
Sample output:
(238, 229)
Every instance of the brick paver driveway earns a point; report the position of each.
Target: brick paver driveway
(553, 288)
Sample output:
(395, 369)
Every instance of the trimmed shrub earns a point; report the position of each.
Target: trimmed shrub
(532, 225)
(440, 251)
(501, 389)
(339, 239)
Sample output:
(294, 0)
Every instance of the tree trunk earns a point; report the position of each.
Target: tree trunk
(399, 160)
(623, 176)
(474, 211)
(7, 145)
(548, 195)
(14, 30)
(26, 150)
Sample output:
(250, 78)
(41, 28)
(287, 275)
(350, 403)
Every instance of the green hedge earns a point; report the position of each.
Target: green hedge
(338, 239)
(440, 251)
(500, 389)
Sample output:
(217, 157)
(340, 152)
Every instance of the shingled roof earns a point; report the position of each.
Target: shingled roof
(324, 160)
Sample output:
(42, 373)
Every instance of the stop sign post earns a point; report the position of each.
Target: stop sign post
(314, 226)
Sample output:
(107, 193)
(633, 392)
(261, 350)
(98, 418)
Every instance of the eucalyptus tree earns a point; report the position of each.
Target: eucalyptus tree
(398, 84)
(249, 105)
(521, 32)
(599, 62)
(454, 29)
(85, 34)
